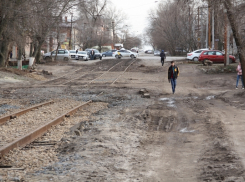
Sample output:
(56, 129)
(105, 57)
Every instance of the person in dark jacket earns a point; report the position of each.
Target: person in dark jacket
(92, 54)
(163, 56)
(173, 73)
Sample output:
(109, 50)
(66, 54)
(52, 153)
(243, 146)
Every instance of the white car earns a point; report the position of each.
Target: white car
(62, 54)
(73, 54)
(82, 55)
(193, 56)
(125, 53)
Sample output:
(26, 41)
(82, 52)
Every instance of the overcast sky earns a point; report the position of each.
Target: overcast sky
(137, 12)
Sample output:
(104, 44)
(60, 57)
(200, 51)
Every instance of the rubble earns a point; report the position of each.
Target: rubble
(208, 63)
(47, 73)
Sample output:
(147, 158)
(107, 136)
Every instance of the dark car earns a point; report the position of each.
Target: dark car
(108, 53)
(215, 56)
(97, 54)
(149, 52)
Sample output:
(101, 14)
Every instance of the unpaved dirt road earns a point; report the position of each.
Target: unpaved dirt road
(194, 135)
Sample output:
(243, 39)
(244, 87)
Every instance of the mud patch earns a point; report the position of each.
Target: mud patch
(219, 161)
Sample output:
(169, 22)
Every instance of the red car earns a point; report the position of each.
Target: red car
(215, 56)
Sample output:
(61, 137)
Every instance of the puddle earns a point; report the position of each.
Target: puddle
(210, 97)
(5, 107)
(170, 102)
(185, 130)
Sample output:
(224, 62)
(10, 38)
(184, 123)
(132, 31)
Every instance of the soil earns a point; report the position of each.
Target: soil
(193, 135)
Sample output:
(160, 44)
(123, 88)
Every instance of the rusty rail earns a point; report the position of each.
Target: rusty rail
(30, 137)
(14, 115)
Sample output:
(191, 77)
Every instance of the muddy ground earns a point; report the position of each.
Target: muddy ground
(194, 135)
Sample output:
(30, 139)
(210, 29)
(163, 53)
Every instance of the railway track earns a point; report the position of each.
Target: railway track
(92, 78)
(28, 128)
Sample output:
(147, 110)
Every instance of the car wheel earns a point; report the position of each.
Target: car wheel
(132, 56)
(65, 59)
(117, 56)
(104, 55)
(230, 61)
(48, 58)
(195, 59)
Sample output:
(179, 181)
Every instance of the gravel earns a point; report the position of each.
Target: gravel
(28, 122)
(38, 159)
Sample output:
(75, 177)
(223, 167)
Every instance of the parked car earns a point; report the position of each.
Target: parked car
(108, 53)
(193, 56)
(125, 53)
(82, 55)
(73, 54)
(97, 54)
(149, 52)
(215, 56)
(62, 54)
(157, 53)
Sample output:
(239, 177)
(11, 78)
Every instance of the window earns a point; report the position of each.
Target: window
(61, 52)
(205, 53)
(211, 53)
(198, 52)
(219, 54)
(68, 52)
(54, 52)
(96, 51)
(72, 52)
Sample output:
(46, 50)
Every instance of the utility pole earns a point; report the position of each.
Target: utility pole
(209, 25)
(70, 42)
(113, 33)
(213, 29)
(202, 28)
(225, 44)
(198, 33)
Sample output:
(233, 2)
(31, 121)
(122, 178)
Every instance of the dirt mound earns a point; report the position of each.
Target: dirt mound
(24, 73)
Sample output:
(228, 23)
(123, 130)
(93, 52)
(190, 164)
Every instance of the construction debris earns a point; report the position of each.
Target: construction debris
(47, 73)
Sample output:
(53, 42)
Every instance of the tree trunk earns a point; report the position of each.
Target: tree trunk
(241, 50)
(35, 50)
(31, 49)
(3, 52)
(38, 55)
(57, 49)
(19, 53)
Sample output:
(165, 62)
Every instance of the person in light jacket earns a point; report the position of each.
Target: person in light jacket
(239, 75)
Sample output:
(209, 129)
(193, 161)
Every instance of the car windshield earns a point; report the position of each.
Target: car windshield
(72, 51)
(82, 52)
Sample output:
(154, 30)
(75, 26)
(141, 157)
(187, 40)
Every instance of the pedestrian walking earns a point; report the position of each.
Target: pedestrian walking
(163, 56)
(92, 54)
(76, 51)
(239, 75)
(173, 73)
